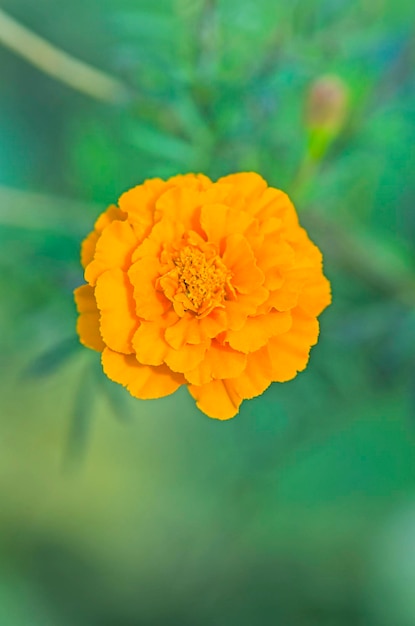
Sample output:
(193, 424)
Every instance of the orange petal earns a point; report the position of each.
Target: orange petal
(219, 362)
(89, 244)
(257, 330)
(149, 303)
(283, 299)
(139, 204)
(87, 325)
(248, 184)
(152, 348)
(113, 250)
(187, 329)
(200, 375)
(142, 381)
(191, 329)
(197, 181)
(274, 203)
(149, 343)
(287, 295)
(245, 304)
(219, 221)
(118, 321)
(180, 205)
(289, 352)
(165, 232)
(187, 358)
(256, 377)
(216, 399)
(274, 256)
(308, 254)
(224, 362)
(214, 323)
(88, 248)
(315, 295)
(239, 258)
(108, 216)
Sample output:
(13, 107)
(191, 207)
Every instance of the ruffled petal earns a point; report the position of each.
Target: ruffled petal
(274, 204)
(219, 221)
(289, 352)
(139, 204)
(165, 233)
(219, 362)
(118, 321)
(248, 184)
(187, 329)
(113, 250)
(192, 329)
(239, 259)
(261, 201)
(257, 331)
(110, 215)
(216, 399)
(214, 323)
(88, 248)
(87, 325)
(274, 257)
(224, 362)
(200, 375)
(200, 182)
(90, 242)
(142, 381)
(149, 343)
(256, 377)
(180, 205)
(245, 304)
(316, 294)
(294, 280)
(283, 299)
(187, 358)
(149, 303)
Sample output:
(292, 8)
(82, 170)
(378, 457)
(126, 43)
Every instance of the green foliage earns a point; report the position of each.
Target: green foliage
(276, 516)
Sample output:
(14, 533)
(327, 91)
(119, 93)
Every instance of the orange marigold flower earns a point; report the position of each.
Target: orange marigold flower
(213, 285)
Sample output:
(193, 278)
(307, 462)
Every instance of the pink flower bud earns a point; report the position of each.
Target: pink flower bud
(327, 104)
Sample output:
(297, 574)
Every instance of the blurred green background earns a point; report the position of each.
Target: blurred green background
(301, 510)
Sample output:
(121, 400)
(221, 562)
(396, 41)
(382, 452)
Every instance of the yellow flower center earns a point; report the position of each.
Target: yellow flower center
(201, 279)
(199, 282)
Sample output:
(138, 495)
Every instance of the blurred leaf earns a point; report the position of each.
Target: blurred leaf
(52, 360)
(192, 118)
(153, 25)
(80, 420)
(157, 143)
(116, 396)
(41, 212)
(96, 165)
(19, 603)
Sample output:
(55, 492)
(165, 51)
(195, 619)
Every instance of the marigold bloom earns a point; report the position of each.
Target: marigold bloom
(213, 285)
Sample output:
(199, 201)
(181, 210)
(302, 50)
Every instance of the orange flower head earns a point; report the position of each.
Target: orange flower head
(213, 285)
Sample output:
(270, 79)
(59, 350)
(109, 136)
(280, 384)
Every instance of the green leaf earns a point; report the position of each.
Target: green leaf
(152, 25)
(82, 411)
(162, 145)
(115, 395)
(50, 361)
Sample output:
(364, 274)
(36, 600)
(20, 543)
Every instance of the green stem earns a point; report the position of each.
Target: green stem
(59, 64)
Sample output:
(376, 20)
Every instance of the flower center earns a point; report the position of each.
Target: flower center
(200, 278)
(199, 282)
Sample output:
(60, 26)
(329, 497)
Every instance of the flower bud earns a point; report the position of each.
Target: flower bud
(327, 104)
